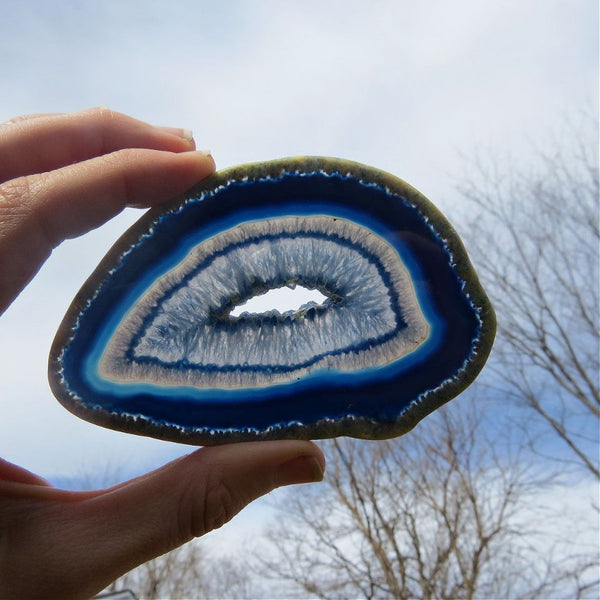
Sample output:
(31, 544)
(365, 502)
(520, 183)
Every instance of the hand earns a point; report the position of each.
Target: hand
(60, 176)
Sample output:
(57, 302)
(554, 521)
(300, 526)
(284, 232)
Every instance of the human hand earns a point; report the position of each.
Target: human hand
(61, 176)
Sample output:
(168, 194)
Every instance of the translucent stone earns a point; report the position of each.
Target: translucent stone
(150, 344)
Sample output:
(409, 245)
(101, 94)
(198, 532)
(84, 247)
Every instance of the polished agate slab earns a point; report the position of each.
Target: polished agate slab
(150, 344)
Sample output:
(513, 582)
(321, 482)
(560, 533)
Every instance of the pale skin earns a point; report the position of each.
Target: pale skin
(62, 175)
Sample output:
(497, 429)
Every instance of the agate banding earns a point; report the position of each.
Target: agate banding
(149, 344)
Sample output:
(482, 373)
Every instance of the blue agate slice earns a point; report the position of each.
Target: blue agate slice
(150, 344)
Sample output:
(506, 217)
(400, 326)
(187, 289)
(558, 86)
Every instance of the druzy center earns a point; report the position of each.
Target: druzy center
(180, 331)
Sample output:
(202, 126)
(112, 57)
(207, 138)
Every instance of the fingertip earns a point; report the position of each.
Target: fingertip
(303, 469)
(320, 457)
(204, 160)
(139, 133)
(165, 176)
(184, 134)
(311, 450)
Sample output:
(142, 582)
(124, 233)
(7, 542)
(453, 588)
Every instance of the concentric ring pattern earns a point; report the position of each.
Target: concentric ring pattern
(149, 345)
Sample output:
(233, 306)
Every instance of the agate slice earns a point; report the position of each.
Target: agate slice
(150, 345)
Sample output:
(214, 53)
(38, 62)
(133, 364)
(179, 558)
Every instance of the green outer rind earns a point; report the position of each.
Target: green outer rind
(353, 427)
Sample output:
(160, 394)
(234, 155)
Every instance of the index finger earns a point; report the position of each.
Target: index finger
(38, 212)
(41, 143)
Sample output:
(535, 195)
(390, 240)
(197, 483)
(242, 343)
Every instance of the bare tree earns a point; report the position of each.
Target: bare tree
(439, 513)
(534, 234)
(455, 508)
(177, 574)
(188, 572)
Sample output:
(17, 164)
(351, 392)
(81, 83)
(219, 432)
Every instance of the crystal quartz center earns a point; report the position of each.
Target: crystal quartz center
(150, 344)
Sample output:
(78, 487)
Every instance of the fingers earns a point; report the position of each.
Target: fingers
(104, 535)
(40, 143)
(20, 118)
(65, 174)
(39, 211)
(15, 474)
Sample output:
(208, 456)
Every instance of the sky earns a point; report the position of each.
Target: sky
(408, 87)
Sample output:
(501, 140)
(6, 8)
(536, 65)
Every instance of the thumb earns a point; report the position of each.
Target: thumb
(202, 491)
(189, 497)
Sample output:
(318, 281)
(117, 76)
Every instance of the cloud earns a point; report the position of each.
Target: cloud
(399, 85)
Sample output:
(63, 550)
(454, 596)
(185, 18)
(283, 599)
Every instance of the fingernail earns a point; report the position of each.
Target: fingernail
(205, 152)
(303, 469)
(185, 134)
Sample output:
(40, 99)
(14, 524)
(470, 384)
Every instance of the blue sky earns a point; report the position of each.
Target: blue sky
(409, 87)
